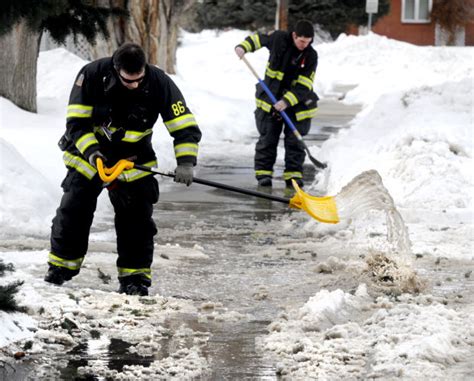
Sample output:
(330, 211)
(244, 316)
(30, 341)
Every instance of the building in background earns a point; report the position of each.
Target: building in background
(411, 21)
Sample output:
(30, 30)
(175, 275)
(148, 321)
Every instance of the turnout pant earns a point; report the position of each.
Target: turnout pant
(134, 225)
(270, 127)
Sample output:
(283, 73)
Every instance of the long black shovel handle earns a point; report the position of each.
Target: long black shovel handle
(218, 185)
(285, 116)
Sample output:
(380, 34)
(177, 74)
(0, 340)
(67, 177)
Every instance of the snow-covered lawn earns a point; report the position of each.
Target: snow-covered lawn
(416, 131)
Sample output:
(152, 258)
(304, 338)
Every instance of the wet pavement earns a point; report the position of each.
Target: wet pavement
(233, 229)
(236, 279)
(252, 274)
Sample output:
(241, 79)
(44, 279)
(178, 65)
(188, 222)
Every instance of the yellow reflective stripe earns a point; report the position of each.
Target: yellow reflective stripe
(263, 105)
(186, 149)
(98, 129)
(247, 46)
(305, 81)
(256, 41)
(180, 122)
(130, 175)
(79, 111)
(123, 272)
(302, 115)
(274, 73)
(291, 98)
(80, 165)
(292, 175)
(71, 264)
(263, 172)
(135, 136)
(85, 141)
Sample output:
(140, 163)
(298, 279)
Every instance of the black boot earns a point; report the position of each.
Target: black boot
(58, 275)
(134, 285)
(265, 181)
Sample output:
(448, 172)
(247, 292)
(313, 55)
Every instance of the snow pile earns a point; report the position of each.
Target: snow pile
(15, 327)
(379, 65)
(338, 335)
(27, 198)
(420, 143)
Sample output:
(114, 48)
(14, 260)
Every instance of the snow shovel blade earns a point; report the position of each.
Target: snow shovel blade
(323, 209)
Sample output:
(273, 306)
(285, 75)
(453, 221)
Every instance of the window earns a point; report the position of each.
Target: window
(416, 11)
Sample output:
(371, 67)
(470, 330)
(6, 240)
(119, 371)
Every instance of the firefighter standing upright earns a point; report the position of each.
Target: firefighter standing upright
(289, 76)
(112, 109)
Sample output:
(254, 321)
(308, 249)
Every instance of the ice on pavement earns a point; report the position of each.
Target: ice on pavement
(415, 131)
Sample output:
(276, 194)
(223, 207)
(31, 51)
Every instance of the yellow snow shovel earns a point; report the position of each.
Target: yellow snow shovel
(323, 209)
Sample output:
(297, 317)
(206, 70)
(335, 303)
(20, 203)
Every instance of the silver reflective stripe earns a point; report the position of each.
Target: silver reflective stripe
(291, 98)
(130, 175)
(80, 165)
(305, 81)
(86, 141)
(274, 73)
(135, 136)
(186, 149)
(256, 41)
(71, 264)
(181, 122)
(79, 111)
(246, 45)
(307, 114)
(292, 175)
(263, 172)
(123, 272)
(263, 105)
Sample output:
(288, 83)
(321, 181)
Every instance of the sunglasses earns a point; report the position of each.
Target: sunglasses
(137, 80)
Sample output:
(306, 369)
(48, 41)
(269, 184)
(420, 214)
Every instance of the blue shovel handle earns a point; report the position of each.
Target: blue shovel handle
(283, 113)
(285, 116)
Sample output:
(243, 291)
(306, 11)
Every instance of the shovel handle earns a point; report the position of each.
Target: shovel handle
(321, 208)
(110, 174)
(285, 116)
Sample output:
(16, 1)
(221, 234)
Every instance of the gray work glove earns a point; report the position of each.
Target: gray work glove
(239, 51)
(281, 105)
(93, 158)
(184, 173)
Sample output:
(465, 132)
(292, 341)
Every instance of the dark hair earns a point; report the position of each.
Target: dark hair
(129, 58)
(304, 28)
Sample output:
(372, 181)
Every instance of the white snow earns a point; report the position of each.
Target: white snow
(416, 130)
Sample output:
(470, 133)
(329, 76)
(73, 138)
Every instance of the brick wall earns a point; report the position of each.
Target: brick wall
(392, 26)
(419, 34)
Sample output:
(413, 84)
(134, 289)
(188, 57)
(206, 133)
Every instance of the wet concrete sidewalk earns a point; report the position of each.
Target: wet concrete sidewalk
(231, 228)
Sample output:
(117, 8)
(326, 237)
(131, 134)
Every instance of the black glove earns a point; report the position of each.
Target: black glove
(94, 156)
(184, 173)
(276, 115)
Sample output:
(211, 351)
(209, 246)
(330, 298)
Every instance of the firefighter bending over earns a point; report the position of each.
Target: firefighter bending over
(112, 109)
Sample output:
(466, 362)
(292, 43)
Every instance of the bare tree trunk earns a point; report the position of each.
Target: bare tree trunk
(153, 24)
(171, 10)
(281, 19)
(18, 62)
(116, 28)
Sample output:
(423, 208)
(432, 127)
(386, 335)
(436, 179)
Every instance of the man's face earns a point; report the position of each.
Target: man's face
(131, 81)
(301, 42)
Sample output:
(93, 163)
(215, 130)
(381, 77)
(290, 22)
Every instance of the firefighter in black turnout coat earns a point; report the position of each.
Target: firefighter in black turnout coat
(289, 75)
(112, 109)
